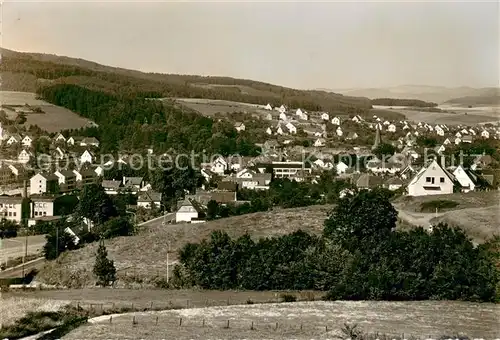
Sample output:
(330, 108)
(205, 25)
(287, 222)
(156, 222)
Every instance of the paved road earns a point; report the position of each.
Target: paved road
(14, 247)
(18, 270)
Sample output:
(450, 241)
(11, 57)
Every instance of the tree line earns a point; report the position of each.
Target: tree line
(359, 256)
(402, 102)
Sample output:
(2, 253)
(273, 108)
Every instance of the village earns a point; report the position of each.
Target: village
(413, 158)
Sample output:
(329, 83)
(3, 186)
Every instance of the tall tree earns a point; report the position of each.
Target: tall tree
(104, 268)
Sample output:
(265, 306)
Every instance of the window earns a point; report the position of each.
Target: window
(14, 214)
(428, 179)
(441, 180)
(10, 213)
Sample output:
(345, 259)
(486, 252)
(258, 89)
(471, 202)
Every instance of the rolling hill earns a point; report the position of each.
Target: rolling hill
(437, 94)
(28, 71)
(490, 97)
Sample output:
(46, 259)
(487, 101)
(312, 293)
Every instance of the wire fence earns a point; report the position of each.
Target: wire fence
(156, 315)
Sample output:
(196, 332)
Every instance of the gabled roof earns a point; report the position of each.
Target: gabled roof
(149, 196)
(132, 180)
(90, 140)
(368, 181)
(107, 184)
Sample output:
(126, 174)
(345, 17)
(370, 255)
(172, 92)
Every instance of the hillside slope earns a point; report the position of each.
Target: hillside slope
(27, 71)
(437, 94)
(486, 97)
(143, 257)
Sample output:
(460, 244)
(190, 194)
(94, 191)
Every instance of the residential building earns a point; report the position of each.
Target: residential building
(336, 121)
(24, 156)
(285, 169)
(13, 139)
(291, 128)
(27, 141)
(352, 135)
(367, 181)
(66, 179)
(44, 183)
(341, 168)
(325, 116)
(87, 157)
(112, 187)
(393, 183)
(59, 138)
(90, 141)
(189, 211)
(468, 179)
(320, 142)
(239, 126)
(42, 206)
(268, 107)
(149, 199)
(85, 176)
(431, 180)
(74, 141)
(391, 128)
(13, 208)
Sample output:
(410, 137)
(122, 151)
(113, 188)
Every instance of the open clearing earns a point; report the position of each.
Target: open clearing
(479, 223)
(465, 200)
(54, 119)
(209, 107)
(13, 308)
(144, 256)
(319, 320)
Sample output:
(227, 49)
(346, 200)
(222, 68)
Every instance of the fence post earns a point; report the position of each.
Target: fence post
(228, 301)
(251, 327)
(111, 319)
(133, 321)
(132, 306)
(157, 320)
(180, 321)
(203, 325)
(326, 328)
(151, 305)
(300, 326)
(187, 303)
(227, 324)
(276, 326)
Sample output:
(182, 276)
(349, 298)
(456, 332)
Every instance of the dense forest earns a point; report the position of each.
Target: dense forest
(28, 71)
(402, 102)
(130, 122)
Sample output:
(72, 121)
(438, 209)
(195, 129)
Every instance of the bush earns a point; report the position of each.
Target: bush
(431, 206)
(288, 298)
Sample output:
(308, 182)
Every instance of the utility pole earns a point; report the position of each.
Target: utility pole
(168, 268)
(25, 251)
(57, 242)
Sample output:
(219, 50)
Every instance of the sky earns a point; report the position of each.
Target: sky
(334, 45)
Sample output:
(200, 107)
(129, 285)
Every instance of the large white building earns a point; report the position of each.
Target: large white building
(188, 211)
(43, 183)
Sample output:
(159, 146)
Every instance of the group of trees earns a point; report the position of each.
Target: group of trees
(359, 256)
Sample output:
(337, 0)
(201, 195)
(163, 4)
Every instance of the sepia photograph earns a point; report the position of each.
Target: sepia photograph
(249, 170)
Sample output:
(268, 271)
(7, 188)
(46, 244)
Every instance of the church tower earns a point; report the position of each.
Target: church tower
(377, 137)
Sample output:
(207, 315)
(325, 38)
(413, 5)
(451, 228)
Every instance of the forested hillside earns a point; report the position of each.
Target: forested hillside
(402, 102)
(28, 71)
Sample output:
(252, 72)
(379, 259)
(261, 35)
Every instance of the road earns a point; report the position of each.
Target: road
(14, 247)
(18, 270)
(417, 219)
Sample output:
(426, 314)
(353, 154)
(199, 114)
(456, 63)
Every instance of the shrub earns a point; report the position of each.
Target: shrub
(288, 298)
(431, 206)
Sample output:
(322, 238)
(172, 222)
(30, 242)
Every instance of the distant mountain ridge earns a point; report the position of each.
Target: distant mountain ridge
(437, 94)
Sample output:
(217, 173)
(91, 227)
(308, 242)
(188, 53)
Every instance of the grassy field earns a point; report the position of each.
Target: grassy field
(208, 107)
(464, 200)
(13, 308)
(143, 257)
(461, 116)
(54, 119)
(479, 223)
(319, 320)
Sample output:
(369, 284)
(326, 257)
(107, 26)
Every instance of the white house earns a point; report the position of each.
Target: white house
(239, 126)
(291, 128)
(283, 116)
(27, 141)
(279, 130)
(447, 141)
(387, 122)
(339, 132)
(269, 131)
(440, 149)
(431, 180)
(391, 128)
(336, 120)
(42, 206)
(86, 157)
(219, 165)
(485, 134)
(320, 142)
(458, 134)
(24, 156)
(304, 116)
(299, 112)
(465, 178)
(60, 138)
(11, 208)
(472, 131)
(149, 199)
(43, 183)
(341, 168)
(13, 139)
(89, 141)
(282, 109)
(268, 107)
(439, 131)
(325, 116)
(405, 127)
(458, 140)
(352, 135)
(188, 210)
